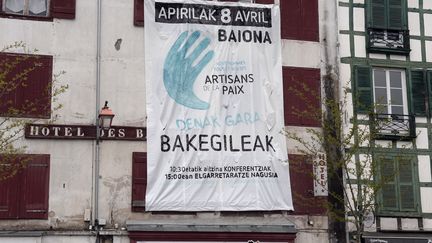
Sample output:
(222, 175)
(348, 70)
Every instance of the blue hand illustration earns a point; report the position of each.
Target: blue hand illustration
(179, 74)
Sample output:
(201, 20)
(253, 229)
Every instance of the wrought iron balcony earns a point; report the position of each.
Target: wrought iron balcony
(393, 126)
(388, 41)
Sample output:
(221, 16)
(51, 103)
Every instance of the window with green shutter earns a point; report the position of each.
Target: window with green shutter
(383, 93)
(387, 26)
(397, 184)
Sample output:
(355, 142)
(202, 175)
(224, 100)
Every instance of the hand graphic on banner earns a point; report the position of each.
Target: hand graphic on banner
(179, 75)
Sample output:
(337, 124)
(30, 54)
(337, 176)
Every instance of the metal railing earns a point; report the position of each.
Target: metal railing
(384, 40)
(393, 126)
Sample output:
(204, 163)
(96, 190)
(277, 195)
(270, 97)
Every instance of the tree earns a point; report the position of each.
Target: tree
(15, 73)
(349, 145)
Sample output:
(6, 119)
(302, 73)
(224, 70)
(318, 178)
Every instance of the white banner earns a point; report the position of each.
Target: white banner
(215, 107)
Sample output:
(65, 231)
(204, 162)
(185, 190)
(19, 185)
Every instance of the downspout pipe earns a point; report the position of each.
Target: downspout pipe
(333, 91)
(96, 167)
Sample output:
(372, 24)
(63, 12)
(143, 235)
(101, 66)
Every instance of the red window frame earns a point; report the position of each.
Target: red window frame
(139, 181)
(25, 194)
(27, 87)
(299, 20)
(139, 12)
(302, 92)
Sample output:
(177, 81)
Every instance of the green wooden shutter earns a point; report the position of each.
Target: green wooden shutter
(418, 93)
(363, 89)
(388, 14)
(378, 14)
(389, 197)
(406, 185)
(395, 14)
(429, 80)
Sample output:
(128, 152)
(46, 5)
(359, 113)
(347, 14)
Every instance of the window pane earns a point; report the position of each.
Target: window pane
(382, 109)
(380, 96)
(380, 78)
(397, 110)
(14, 6)
(38, 7)
(395, 79)
(396, 97)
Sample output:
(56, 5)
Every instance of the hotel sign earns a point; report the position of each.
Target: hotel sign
(86, 132)
(320, 175)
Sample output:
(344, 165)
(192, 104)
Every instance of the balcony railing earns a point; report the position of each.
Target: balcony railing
(393, 126)
(388, 41)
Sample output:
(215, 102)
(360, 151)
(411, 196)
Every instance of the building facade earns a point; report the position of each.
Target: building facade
(78, 187)
(385, 61)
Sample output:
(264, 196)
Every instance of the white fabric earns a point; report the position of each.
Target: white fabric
(196, 103)
(37, 6)
(15, 6)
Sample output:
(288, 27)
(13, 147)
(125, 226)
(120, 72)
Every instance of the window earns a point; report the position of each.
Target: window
(302, 104)
(299, 20)
(25, 195)
(25, 85)
(383, 94)
(38, 9)
(387, 26)
(27, 7)
(397, 184)
(390, 91)
(139, 181)
(390, 100)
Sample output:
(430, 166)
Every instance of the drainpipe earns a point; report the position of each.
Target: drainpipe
(333, 91)
(95, 213)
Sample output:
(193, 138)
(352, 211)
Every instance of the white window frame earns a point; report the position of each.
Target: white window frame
(388, 88)
(26, 11)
